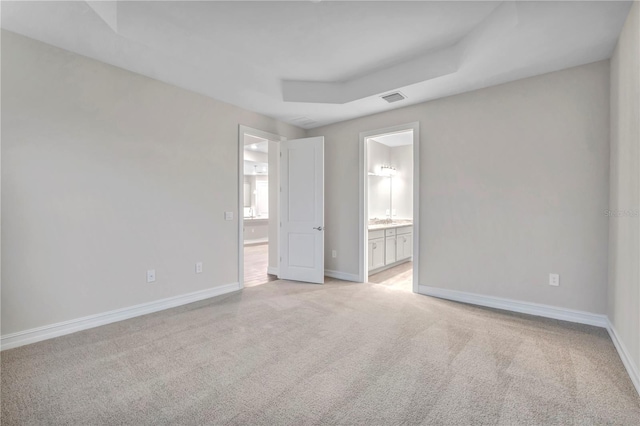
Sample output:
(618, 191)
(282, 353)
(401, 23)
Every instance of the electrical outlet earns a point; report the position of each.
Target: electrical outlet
(199, 268)
(151, 275)
(334, 253)
(554, 280)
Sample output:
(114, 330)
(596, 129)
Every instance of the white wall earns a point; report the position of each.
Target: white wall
(624, 237)
(106, 174)
(514, 183)
(379, 199)
(401, 157)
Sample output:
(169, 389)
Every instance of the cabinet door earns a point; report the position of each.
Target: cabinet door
(390, 248)
(377, 250)
(405, 246)
(370, 246)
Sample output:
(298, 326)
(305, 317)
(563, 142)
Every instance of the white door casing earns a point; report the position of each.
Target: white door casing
(302, 210)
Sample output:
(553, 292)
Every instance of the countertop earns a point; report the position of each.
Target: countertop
(395, 224)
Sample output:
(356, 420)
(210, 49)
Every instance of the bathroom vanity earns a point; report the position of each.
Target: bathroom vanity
(390, 243)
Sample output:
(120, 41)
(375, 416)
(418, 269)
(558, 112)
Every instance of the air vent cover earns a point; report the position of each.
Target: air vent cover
(394, 97)
(303, 121)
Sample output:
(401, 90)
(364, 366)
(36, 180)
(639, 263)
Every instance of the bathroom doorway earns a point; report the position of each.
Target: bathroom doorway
(389, 207)
(258, 210)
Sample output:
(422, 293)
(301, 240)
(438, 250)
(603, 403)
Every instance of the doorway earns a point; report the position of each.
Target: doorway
(389, 207)
(258, 181)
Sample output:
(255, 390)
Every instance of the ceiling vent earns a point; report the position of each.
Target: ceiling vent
(394, 97)
(303, 121)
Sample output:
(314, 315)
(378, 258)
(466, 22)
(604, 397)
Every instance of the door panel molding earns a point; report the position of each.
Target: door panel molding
(302, 210)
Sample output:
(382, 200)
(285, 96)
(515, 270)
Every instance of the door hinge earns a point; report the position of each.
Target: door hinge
(280, 154)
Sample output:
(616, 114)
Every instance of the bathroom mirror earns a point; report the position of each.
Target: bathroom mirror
(379, 197)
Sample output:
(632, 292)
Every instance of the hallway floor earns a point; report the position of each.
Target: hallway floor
(256, 262)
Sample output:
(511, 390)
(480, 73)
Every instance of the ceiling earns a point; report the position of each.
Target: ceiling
(315, 63)
(256, 161)
(255, 143)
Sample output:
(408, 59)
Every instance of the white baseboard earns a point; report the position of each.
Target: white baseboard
(632, 369)
(342, 275)
(33, 335)
(517, 306)
(272, 270)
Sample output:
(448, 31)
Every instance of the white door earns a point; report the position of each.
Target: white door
(302, 210)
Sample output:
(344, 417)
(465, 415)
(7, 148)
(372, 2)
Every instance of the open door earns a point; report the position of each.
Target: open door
(302, 210)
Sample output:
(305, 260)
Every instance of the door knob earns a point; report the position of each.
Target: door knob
(319, 228)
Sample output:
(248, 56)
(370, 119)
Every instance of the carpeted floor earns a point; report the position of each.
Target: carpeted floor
(342, 353)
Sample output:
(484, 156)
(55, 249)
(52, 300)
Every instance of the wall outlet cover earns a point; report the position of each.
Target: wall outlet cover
(151, 275)
(554, 280)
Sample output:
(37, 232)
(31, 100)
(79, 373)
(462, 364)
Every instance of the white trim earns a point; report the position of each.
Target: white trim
(363, 198)
(363, 214)
(536, 309)
(342, 275)
(37, 334)
(546, 311)
(242, 130)
(272, 270)
(627, 361)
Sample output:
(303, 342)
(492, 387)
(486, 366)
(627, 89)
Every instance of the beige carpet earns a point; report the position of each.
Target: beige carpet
(297, 354)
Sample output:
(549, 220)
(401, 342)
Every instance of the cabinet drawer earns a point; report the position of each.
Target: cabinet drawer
(376, 234)
(404, 230)
(389, 232)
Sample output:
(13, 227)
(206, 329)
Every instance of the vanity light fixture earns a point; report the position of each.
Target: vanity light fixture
(387, 171)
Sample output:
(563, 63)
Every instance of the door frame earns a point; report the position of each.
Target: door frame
(242, 130)
(363, 269)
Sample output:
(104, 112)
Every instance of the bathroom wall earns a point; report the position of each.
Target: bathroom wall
(394, 194)
(401, 157)
(379, 186)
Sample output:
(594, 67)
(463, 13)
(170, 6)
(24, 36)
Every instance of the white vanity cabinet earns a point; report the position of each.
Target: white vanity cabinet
(376, 249)
(389, 246)
(404, 243)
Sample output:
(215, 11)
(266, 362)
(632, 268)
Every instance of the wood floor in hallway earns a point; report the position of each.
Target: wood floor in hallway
(256, 262)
